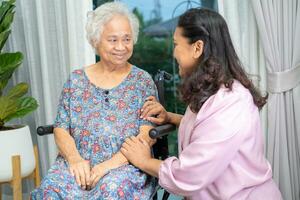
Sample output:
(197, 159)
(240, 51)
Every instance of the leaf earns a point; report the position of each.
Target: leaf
(7, 60)
(7, 107)
(7, 20)
(25, 106)
(7, 15)
(18, 91)
(5, 6)
(3, 38)
(8, 63)
(13, 105)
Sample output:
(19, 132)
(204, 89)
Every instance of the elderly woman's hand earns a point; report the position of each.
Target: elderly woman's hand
(80, 168)
(137, 151)
(97, 172)
(154, 112)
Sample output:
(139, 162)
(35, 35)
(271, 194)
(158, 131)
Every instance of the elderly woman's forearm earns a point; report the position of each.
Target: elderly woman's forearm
(66, 144)
(119, 159)
(144, 134)
(116, 161)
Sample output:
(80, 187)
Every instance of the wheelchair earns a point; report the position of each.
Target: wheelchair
(160, 148)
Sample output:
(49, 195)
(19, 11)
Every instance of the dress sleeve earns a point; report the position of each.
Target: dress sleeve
(63, 110)
(148, 89)
(213, 144)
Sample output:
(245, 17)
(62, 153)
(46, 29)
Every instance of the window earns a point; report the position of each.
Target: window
(153, 50)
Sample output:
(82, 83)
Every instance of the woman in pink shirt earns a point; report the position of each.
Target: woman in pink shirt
(220, 140)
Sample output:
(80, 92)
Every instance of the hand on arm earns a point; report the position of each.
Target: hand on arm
(144, 134)
(98, 171)
(138, 152)
(78, 167)
(154, 112)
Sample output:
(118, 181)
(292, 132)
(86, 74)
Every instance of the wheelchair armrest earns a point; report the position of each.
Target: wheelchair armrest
(45, 130)
(162, 130)
(154, 133)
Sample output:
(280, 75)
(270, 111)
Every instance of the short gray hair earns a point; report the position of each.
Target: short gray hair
(98, 18)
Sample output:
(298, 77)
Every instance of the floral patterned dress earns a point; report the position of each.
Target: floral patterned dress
(99, 121)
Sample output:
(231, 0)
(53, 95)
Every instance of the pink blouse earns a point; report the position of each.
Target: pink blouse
(221, 154)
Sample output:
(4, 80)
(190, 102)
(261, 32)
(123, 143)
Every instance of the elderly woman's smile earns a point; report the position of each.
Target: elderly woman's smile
(116, 45)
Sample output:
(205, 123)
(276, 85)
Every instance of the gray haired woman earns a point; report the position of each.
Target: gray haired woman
(99, 108)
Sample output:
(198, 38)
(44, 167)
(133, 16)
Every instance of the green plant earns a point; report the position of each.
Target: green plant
(14, 104)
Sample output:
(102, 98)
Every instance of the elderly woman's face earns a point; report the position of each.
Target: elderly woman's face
(116, 43)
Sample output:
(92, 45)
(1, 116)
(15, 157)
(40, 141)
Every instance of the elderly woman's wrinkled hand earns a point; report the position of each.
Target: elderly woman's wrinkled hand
(80, 168)
(154, 112)
(97, 172)
(137, 151)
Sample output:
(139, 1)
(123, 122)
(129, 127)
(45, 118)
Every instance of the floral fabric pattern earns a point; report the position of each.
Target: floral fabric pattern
(100, 120)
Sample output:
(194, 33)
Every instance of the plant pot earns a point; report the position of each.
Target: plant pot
(16, 142)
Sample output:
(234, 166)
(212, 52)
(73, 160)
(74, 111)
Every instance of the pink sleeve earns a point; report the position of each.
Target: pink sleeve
(214, 142)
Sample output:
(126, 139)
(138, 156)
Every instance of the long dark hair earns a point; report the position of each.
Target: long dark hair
(219, 63)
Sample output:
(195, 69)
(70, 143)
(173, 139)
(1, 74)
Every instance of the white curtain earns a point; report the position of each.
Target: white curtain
(51, 36)
(274, 25)
(279, 28)
(244, 34)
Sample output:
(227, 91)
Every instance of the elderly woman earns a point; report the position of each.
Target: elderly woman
(99, 108)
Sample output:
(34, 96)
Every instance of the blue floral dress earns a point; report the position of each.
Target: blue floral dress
(99, 121)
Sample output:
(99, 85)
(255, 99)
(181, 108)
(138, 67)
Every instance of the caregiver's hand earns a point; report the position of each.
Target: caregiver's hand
(137, 151)
(154, 112)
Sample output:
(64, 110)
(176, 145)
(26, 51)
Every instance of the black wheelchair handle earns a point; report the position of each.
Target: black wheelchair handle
(45, 130)
(160, 131)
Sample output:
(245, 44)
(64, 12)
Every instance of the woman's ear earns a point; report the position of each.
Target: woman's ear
(198, 48)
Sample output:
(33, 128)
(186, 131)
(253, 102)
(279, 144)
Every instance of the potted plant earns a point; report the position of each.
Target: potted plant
(14, 139)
